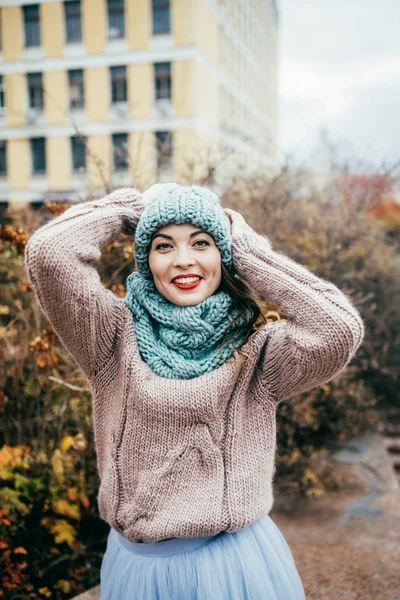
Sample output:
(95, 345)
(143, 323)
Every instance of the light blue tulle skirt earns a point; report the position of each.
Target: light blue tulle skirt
(254, 563)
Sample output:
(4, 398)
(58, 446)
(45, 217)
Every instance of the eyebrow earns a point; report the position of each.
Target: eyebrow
(169, 237)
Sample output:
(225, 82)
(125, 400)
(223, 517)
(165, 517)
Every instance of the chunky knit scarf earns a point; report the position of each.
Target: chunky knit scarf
(181, 342)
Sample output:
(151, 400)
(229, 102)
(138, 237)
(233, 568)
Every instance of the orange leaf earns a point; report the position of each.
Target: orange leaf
(41, 361)
(20, 550)
(85, 501)
(72, 494)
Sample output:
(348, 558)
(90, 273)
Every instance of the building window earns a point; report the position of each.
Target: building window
(118, 84)
(38, 155)
(76, 94)
(162, 75)
(120, 151)
(73, 23)
(32, 25)
(161, 21)
(116, 19)
(35, 91)
(3, 161)
(1, 95)
(78, 146)
(163, 148)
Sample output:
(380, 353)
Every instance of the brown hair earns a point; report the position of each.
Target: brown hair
(260, 310)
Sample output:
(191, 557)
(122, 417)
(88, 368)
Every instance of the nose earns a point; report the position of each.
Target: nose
(183, 258)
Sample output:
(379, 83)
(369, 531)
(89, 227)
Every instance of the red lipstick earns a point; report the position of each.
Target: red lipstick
(187, 286)
(191, 286)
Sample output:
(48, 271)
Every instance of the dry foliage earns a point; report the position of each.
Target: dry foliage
(340, 239)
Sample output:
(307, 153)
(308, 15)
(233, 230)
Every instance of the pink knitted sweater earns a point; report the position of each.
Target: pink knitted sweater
(185, 458)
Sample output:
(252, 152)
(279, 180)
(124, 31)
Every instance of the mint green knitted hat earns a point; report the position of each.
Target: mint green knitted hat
(183, 204)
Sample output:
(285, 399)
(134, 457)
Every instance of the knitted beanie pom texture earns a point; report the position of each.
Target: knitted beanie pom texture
(183, 204)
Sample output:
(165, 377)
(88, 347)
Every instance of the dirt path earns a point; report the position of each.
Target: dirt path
(348, 545)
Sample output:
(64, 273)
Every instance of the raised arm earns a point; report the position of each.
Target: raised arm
(323, 330)
(58, 260)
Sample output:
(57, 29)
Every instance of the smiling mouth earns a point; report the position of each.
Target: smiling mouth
(186, 283)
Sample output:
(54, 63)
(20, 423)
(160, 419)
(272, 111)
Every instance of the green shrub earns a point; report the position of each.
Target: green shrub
(51, 539)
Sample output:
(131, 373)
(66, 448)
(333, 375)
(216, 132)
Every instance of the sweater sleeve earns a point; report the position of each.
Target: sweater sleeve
(58, 261)
(322, 330)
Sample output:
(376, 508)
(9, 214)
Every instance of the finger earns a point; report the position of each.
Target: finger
(228, 214)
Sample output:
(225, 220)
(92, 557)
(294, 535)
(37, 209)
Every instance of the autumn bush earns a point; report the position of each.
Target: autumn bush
(51, 537)
(337, 236)
(340, 242)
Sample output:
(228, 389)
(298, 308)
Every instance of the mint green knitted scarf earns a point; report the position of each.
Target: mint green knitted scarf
(181, 342)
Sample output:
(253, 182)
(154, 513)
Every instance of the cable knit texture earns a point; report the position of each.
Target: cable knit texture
(183, 204)
(185, 457)
(181, 342)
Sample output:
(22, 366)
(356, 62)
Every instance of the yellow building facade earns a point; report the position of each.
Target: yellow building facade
(97, 93)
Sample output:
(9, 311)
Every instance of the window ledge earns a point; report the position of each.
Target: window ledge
(161, 41)
(77, 115)
(116, 46)
(74, 49)
(33, 53)
(39, 182)
(119, 109)
(163, 107)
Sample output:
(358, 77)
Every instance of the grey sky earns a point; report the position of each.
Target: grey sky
(340, 70)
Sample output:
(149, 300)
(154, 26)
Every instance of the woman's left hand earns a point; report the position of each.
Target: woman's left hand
(238, 223)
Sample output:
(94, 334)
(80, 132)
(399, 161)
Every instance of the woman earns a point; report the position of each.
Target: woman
(186, 373)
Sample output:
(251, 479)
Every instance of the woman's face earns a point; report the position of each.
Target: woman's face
(185, 263)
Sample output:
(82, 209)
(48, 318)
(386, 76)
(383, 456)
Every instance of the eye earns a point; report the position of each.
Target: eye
(163, 246)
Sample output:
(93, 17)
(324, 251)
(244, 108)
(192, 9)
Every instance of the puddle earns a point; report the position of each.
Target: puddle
(361, 506)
